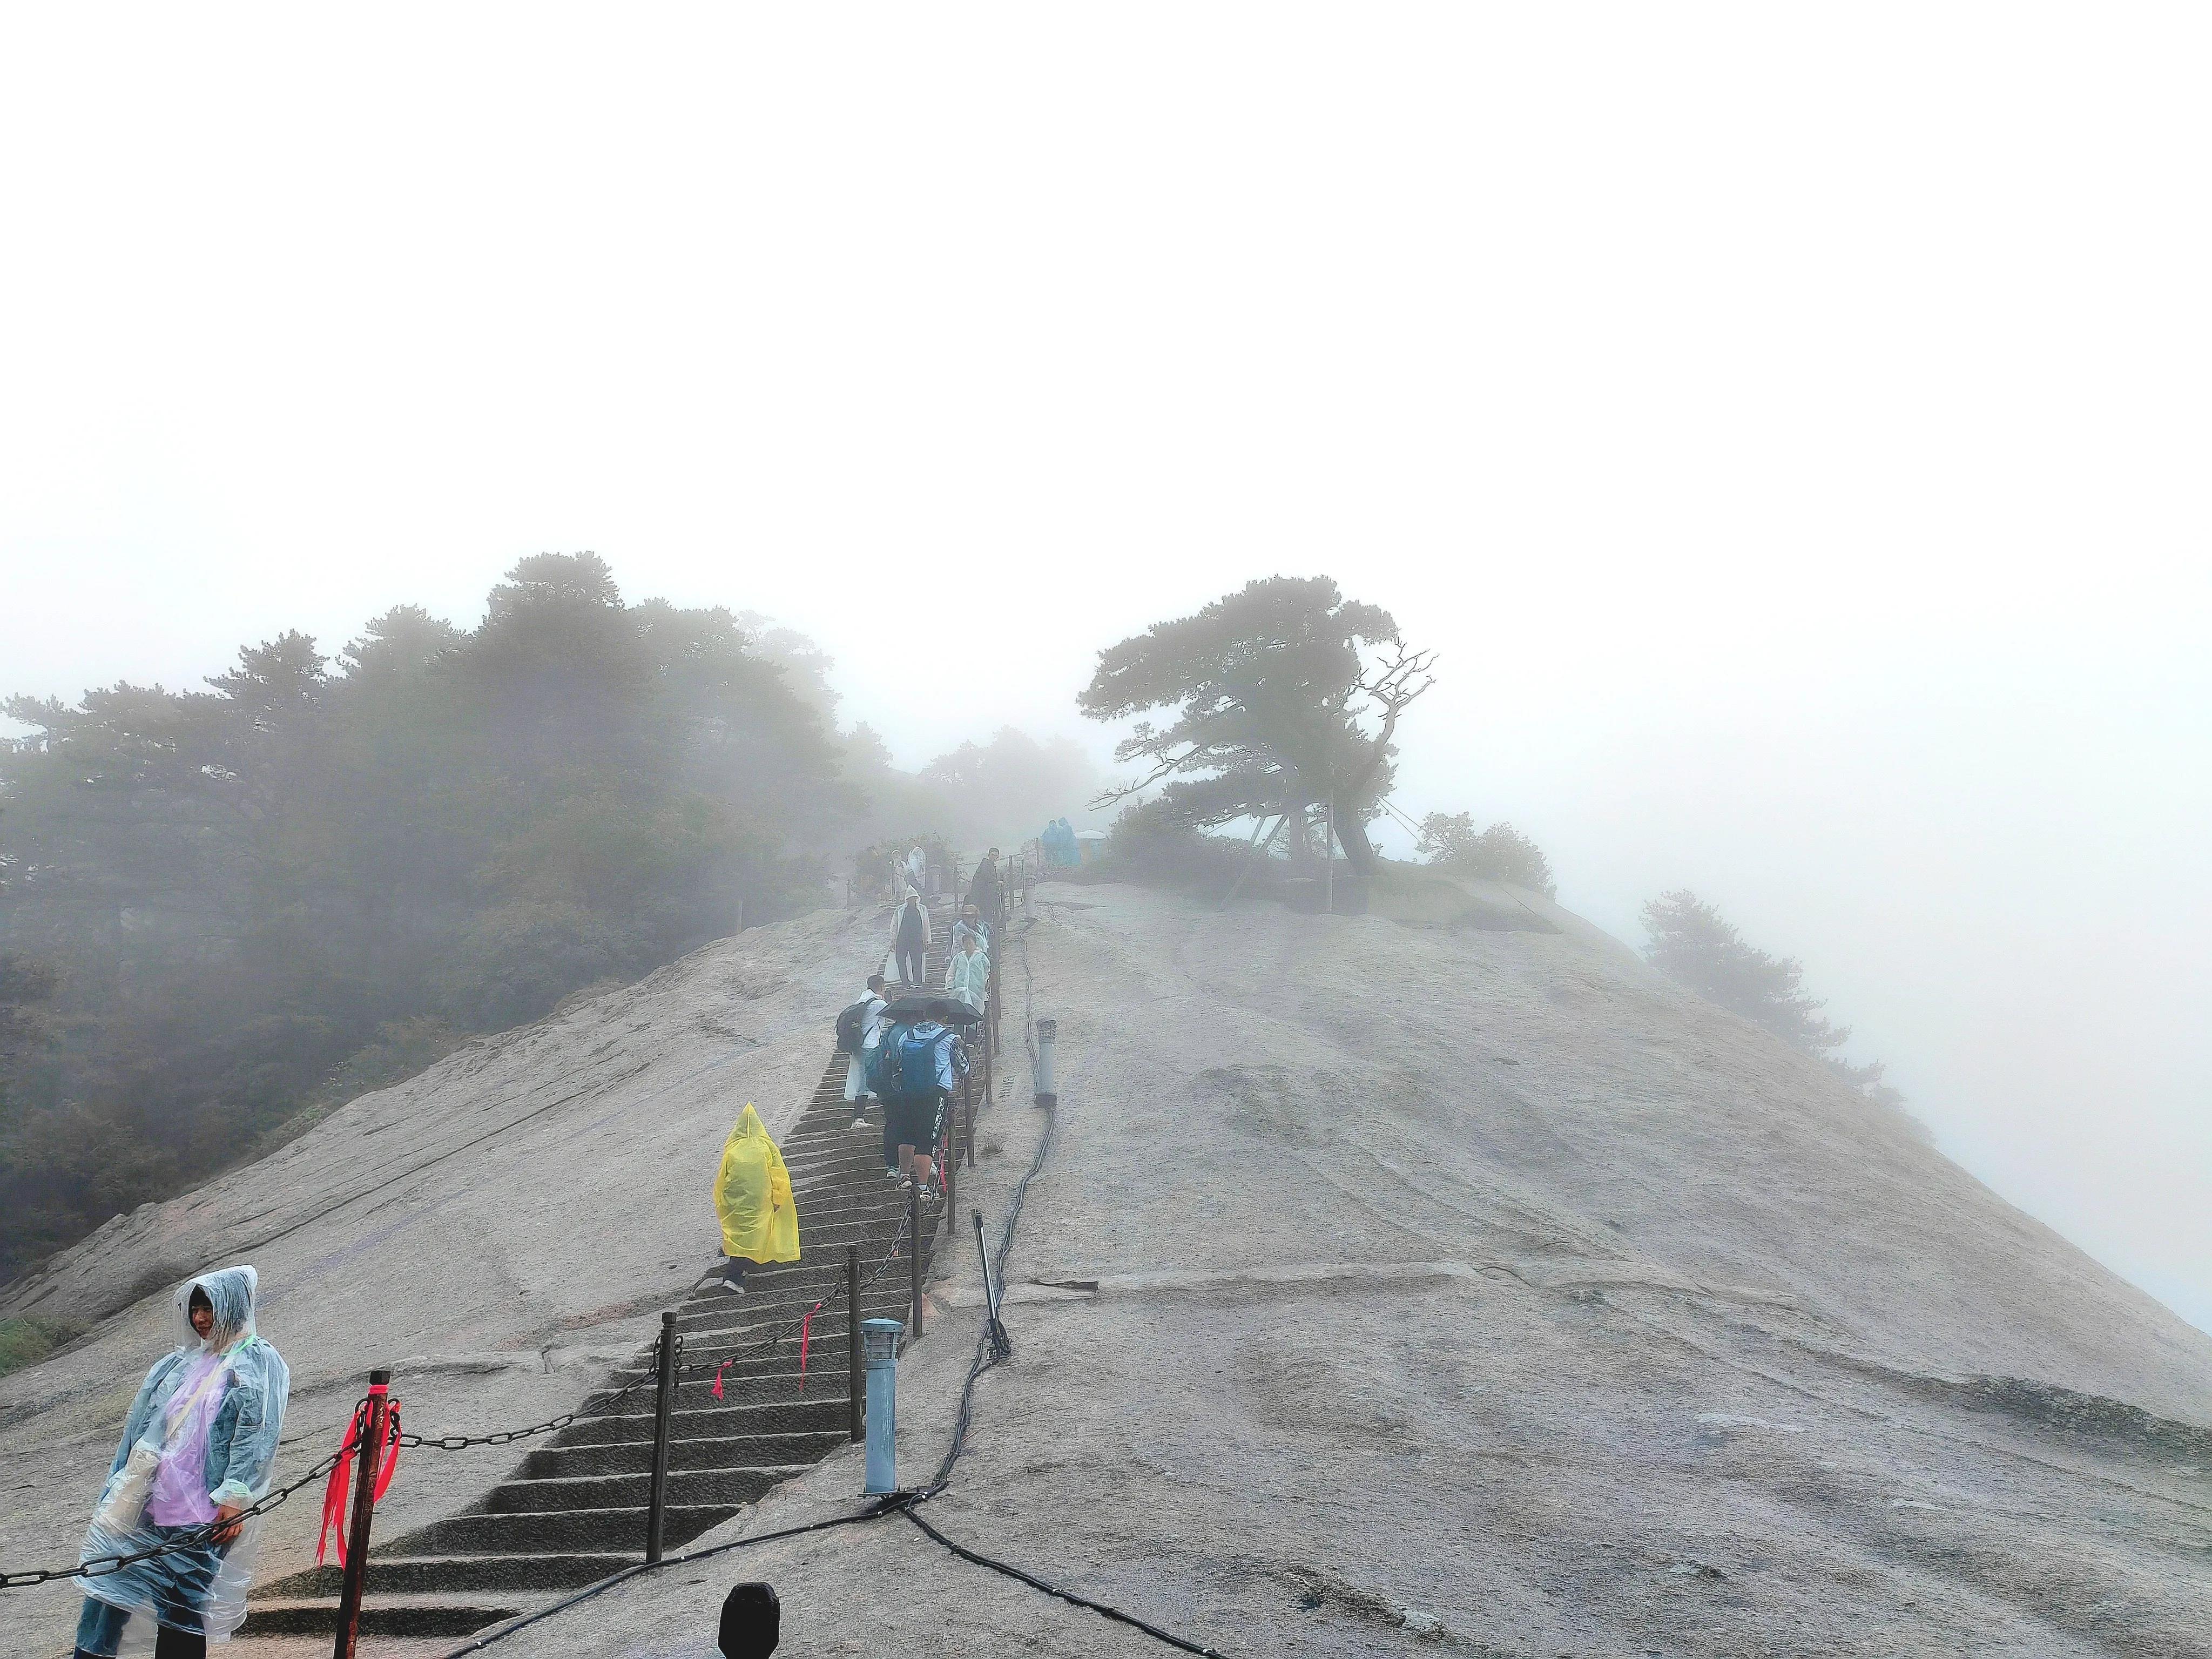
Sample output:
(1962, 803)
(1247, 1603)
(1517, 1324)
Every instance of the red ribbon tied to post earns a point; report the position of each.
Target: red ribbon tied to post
(717, 1389)
(334, 1495)
(806, 1336)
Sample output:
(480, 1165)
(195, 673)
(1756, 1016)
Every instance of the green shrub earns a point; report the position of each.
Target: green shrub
(27, 1340)
(1501, 852)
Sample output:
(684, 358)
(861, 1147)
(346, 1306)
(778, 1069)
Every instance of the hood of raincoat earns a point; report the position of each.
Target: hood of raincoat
(230, 1293)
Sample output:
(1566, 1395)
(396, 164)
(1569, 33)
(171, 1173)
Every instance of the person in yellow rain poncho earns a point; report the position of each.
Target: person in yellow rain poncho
(753, 1193)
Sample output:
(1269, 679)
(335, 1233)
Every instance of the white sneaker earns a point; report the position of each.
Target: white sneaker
(860, 1124)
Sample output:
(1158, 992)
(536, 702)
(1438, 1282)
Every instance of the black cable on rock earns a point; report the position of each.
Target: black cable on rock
(1035, 1583)
(988, 1352)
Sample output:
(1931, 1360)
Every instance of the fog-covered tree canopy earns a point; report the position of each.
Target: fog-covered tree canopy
(1267, 689)
(1450, 841)
(224, 910)
(1689, 941)
(222, 897)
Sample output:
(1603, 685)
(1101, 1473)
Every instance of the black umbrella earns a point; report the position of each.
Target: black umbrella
(946, 1011)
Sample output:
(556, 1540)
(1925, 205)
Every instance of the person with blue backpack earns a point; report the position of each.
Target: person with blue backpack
(916, 1068)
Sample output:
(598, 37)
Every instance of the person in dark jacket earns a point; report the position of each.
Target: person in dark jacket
(910, 939)
(988, 891)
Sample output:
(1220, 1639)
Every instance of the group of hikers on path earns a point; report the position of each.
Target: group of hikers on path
(199, 1442)
(904, 1058)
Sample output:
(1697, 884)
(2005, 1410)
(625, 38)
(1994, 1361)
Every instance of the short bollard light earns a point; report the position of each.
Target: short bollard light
(1047, 1030)
(880, 1344)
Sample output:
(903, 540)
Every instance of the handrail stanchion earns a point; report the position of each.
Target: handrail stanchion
(913, 1257)
(968, 1099)
(882, 1335)
(1048, 1032)
(364, 1511)
(853, 1336)
(657, 1500)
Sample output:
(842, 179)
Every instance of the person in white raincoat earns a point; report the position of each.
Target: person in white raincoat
(199, 1446)
(967, 974)
(857, 1092)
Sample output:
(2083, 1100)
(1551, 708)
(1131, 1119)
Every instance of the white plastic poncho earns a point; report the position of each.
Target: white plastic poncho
(202, 1433)
(968, 976)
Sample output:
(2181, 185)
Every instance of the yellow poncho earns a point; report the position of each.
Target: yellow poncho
(760, 1219)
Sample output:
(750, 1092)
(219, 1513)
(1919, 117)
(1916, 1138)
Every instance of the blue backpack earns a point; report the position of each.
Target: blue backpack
(883, 1064)
(917, 1058)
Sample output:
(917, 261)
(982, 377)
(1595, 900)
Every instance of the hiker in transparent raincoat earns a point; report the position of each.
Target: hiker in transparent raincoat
(199, 1445)
(967, 974)
(752, 1195)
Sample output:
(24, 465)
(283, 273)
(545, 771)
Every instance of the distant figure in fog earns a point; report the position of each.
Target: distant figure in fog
(988, 891)
(910, 939)
(917, 868)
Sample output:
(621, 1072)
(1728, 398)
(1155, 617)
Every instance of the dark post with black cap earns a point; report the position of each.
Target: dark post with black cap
(914, 1253)
(753, 1622)
(657, 1499)
(853, 1337)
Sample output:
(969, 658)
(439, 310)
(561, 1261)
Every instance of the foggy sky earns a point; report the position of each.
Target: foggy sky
(1791, 431)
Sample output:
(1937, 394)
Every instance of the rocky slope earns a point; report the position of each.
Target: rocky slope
(1385, 1286)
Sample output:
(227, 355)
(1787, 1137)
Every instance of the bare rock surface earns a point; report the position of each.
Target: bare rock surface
(1389, 1286)
(499, 1228)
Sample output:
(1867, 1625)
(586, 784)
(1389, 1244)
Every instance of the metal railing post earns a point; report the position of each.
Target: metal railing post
(355, 1579)
(1048, 1031)
(664, 1400)
(968, 1100)
(853, 1336)
(913, 1257)
(881, 1336)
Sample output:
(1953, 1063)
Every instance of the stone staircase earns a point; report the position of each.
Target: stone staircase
(574, 1510)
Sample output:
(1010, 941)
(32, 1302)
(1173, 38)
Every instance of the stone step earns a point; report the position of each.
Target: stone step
(731, 1321)
(612, 1527)
(713, 1417)
(773, 1376)
(636, 1457)
(687, 1488)
(391, 1574)
(387, 1614)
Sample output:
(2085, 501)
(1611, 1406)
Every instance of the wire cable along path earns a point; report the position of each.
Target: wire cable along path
(763, 1390)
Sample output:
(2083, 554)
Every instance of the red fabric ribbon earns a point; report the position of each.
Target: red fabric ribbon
(717, 1389)
(334, 1495)
(806, 1336)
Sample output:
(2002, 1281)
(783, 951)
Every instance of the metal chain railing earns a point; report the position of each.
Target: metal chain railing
(755, 1347)
(199, 1536)
(191, 1538)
